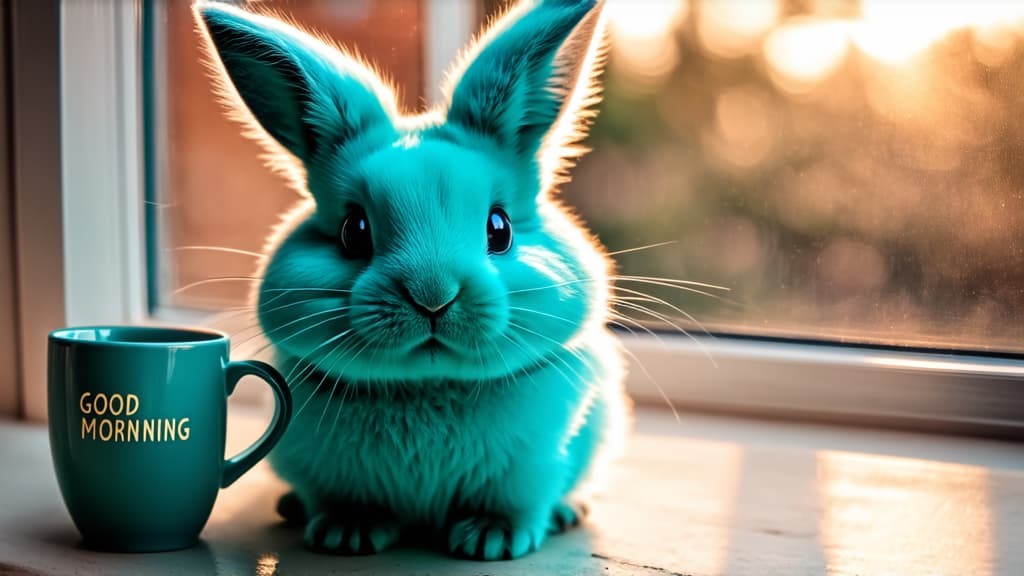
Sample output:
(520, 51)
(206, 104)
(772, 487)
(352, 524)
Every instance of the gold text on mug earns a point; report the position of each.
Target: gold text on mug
(106, 418)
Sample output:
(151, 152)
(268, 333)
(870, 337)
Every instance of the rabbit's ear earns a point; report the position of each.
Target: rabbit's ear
(305, 94)
(535, 69)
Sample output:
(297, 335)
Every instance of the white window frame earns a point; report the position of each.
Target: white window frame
(105, 279)
(102, 163)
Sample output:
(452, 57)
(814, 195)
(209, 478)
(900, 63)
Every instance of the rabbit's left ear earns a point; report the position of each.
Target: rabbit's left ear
(535, 67)
(307, 96)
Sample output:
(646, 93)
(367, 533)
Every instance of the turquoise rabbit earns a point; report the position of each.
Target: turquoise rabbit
(441, 317)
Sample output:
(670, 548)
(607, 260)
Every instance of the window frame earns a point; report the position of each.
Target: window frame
(9, 401)
(936, 390)
(35, 188)
(102, 163)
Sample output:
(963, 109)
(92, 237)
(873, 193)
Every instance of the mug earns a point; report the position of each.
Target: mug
(138, 421)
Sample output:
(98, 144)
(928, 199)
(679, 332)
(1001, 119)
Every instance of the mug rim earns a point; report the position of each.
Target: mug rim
(191, 336)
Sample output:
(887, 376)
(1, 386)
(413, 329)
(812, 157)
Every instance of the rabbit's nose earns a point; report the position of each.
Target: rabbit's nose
(432, 305)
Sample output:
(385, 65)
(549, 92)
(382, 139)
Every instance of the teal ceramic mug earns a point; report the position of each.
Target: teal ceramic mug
(137, 429)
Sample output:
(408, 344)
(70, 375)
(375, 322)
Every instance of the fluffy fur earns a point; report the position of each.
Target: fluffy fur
(482, 428)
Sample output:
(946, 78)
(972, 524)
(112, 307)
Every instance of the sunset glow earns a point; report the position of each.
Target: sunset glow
(730, 28)
(642, 37)
(630, 20)
(884, 33)
(804, 51)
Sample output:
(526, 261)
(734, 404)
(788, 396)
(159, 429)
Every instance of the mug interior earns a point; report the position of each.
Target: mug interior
(138, 335)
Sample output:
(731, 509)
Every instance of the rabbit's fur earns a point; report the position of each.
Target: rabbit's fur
(484, 426)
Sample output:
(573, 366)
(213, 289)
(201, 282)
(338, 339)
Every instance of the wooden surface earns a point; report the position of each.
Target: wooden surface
(706, 496)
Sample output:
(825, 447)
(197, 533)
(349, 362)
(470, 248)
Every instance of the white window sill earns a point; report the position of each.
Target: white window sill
(706, 495)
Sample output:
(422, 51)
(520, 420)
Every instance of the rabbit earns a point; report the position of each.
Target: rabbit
(441, 316)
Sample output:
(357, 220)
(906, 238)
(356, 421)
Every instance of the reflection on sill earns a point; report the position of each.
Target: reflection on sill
(752, 502)
(995, 367)
(879, 513)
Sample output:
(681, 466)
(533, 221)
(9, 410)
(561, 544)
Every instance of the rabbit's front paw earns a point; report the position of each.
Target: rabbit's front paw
(566, 515)
(492, 538)
(291, 509)
(350, 534)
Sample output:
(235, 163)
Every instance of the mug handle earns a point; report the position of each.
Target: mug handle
(236, 466)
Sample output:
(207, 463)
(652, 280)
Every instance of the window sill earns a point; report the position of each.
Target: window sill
(708, 495)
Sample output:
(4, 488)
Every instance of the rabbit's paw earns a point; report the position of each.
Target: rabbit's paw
(566, 515)
(492, 538)
(350, 535)
(291, 509)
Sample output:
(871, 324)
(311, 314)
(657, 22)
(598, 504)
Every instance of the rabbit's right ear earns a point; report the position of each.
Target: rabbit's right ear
(306, 95)
(533, 72)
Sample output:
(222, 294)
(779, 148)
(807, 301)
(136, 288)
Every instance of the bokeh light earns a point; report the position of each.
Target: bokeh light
(731, 28)
(803, 53)
(643, 38)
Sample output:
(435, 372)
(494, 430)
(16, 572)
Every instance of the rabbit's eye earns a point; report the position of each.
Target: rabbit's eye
(356, 241)
(499, 232)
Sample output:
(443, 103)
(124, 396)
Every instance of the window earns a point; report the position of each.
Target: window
(854, 186)
(841, 181)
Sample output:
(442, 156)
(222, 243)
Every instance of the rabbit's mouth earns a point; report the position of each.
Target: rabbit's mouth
(433, 345)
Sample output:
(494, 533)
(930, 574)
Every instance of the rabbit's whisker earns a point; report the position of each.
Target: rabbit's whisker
(246, 329)
(338, 379)
(337, 411)
(661, 390)
(560, 345)
(286, 291)
(325, 299)
(639, 248)
(685, 285)
(479, 357)
(305, 290)
(309, 365)
(656, 300)
(255, 353)
(619, 318)
(323, 379)
(312, 366)
(643, 368)
(527, 372)
(683, 288)
(307, 317)
(506, 377)
(521, 348)
(664, 395)
(579, 376)
(556, 285)
(520, 308)
(667, 320)
(296, 321)
(673, 281)
(206, 281)
(327, 403)
(572, 381)
(216, 249)
(228, 313)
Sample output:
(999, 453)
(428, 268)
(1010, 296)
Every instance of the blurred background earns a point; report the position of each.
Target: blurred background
(851, 170)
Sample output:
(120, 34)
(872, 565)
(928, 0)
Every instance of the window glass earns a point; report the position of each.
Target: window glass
(848, 169)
